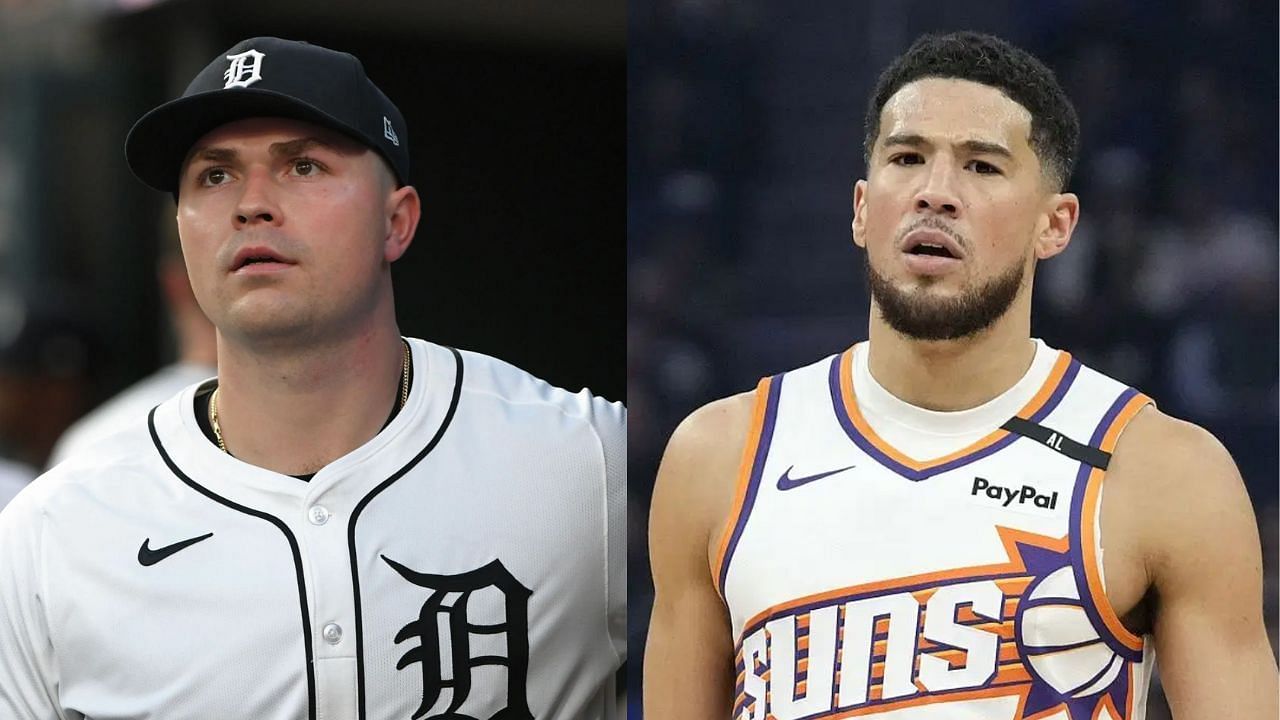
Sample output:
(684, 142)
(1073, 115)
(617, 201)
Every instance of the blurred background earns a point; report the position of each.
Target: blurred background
(516, 129)
(745, 128)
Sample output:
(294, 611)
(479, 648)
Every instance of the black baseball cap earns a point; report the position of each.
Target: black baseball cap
(268, 77)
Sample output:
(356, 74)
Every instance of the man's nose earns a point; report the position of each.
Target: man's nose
(257, 201)
(938, 194)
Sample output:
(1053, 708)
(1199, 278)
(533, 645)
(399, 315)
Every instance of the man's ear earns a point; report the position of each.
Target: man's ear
(859, 205)
(1061, 216)
(403, 210)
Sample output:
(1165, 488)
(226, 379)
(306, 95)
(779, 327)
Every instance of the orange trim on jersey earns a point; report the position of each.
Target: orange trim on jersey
(855, 415)
(967, 615)
(1013, 672)
(1128, 701)
(749, 449)
(1008, 537)
(1088, 528)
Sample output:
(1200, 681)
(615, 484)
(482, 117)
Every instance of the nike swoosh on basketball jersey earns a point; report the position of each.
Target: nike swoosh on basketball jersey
(786, 482)
(147, 556)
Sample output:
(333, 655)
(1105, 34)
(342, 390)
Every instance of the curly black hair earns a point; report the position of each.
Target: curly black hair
(986, 59)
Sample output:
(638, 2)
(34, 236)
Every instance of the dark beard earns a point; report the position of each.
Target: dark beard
(920, 317)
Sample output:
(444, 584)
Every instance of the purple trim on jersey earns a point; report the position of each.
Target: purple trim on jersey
(757, 469)
(1076, 542)
(863, 443)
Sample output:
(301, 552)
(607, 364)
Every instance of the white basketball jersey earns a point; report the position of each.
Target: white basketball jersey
(468, 561)
(862, 582)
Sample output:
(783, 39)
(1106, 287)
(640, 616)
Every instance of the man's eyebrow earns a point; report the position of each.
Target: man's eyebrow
(301, 145)
(213, 154)
(982, 147)
(976, 147)
(908, 139)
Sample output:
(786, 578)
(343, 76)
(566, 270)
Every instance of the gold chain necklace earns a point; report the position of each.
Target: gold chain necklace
(404, 398)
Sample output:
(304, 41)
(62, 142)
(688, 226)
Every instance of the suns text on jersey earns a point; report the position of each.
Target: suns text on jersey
(881, 649)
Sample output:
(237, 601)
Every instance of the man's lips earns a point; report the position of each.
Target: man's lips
(931, 252)
(259, 257)
(931, 243)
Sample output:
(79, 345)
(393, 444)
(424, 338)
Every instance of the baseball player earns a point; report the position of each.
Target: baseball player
(345, 523)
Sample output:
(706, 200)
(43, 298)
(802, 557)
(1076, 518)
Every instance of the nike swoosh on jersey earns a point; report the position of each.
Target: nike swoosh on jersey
(786, 482)
(147, 556)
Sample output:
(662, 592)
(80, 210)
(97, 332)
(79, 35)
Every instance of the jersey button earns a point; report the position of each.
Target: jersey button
(318, 515)
(332, 633)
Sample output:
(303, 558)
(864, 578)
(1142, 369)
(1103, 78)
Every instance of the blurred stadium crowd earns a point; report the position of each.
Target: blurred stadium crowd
(745, 139)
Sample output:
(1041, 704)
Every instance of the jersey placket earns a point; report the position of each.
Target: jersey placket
(319, 520)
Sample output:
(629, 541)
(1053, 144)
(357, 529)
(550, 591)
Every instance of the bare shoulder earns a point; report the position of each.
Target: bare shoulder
(696, 480)
(1156, 439)
(1184, 481)
(714, 432)
(1173, 458)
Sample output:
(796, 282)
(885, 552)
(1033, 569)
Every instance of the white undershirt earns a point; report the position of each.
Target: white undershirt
(925, 434)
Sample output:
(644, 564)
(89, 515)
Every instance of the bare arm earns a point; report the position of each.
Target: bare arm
(688, 667)
(1204, 563)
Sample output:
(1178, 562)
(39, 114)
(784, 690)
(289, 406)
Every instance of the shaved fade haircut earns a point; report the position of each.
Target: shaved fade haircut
(988, 60)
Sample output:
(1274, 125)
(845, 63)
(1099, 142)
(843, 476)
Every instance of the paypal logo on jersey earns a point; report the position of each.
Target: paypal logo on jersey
(1008, 495)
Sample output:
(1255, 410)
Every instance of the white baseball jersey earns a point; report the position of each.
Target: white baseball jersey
(131, 404)
(864, 580)
(466, 562)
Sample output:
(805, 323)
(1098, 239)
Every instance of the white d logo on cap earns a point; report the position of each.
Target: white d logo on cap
(245, 69)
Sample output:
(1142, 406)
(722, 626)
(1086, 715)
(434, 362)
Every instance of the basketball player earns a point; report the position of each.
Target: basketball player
(954, 520)
(345, 523)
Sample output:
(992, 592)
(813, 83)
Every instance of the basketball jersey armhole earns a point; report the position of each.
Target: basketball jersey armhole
(1086, 526)
(754, 451)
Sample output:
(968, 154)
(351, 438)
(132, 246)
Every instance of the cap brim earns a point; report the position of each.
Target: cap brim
(159, 142)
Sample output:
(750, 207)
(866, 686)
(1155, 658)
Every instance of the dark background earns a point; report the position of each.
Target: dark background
(745, 140)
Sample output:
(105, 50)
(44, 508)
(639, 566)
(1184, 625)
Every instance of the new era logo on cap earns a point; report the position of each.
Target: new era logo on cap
(301, 81)
(245, 69)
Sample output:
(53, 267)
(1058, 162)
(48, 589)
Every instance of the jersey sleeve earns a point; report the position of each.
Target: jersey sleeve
(28, 683)
(610, 420)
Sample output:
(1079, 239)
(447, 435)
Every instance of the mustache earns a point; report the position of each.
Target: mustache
(932, 224)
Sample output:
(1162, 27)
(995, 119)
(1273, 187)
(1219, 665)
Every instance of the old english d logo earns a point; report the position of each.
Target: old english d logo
(444, 614)
(245, 69)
